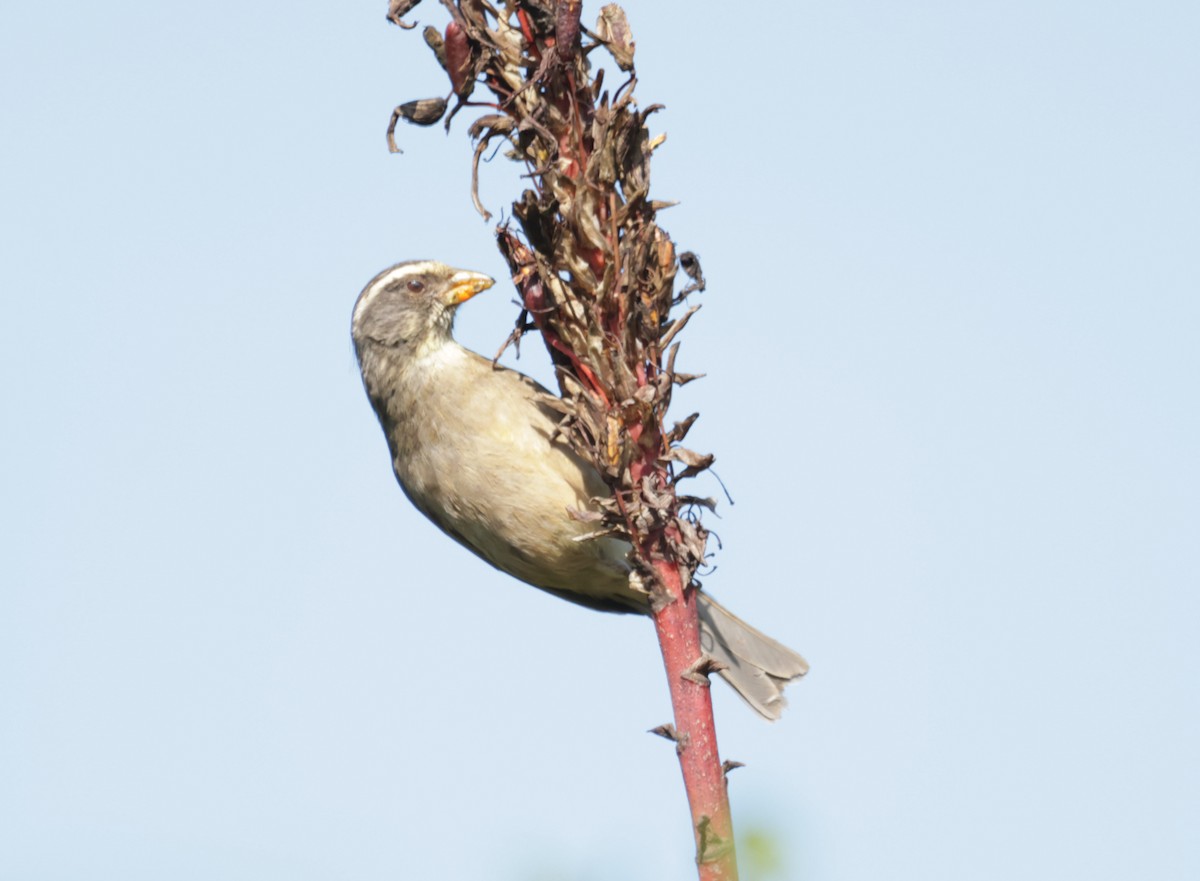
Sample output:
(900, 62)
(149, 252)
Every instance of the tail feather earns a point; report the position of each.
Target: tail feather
(757, 666)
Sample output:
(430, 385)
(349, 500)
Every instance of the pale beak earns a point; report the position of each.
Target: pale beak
(464, 285)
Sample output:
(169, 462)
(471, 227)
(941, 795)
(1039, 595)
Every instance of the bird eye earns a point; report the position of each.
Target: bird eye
(416, 285)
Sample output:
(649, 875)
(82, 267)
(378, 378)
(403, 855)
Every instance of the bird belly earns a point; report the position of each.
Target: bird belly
(505, 491)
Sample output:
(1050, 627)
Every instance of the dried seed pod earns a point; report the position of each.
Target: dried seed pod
(458, 60)
(399, 8)
(433, 38)
(426, 111)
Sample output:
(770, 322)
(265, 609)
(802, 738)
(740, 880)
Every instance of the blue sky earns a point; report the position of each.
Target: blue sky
(951, 345)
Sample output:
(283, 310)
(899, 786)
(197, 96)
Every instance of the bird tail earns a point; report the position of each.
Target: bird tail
(756, 666)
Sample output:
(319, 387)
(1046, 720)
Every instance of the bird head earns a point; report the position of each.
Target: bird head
(412, 304)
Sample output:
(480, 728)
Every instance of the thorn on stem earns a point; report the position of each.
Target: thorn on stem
(704, 666)
(668, 731)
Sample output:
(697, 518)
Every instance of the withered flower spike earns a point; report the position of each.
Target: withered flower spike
(595, 274)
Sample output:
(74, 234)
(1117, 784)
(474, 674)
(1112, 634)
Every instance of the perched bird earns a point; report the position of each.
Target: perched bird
(474, 448)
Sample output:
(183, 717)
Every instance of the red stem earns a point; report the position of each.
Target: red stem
(678, 630)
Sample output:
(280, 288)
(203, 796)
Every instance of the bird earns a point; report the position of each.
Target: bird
(474, 447)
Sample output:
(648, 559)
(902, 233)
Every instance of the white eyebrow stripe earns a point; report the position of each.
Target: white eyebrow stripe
(387, 277)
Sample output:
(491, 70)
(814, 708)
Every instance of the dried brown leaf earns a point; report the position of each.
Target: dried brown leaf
(679, 431)
(612, 27)
(680, 324)
(694, 461)
(584, 516)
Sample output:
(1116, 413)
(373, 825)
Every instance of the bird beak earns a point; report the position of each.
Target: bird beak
(464, 285)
